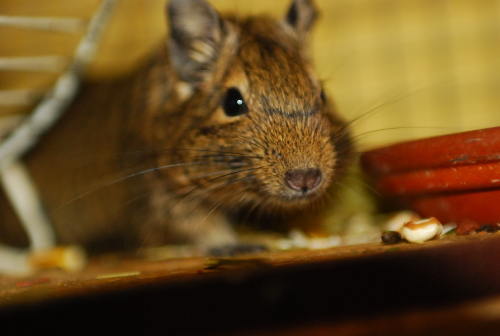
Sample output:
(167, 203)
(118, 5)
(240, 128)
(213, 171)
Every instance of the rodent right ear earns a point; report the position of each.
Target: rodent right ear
(301, 16)
(196, 31)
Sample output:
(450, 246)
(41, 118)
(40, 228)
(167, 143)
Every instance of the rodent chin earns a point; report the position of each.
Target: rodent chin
(297, 201)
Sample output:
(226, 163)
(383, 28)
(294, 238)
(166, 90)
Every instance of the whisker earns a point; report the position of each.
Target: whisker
(201, 185)
(397, 98)
(228, 156)
(201, 192)
(246, 177)
(220, 172)
(125, 178)
(254, 206)
(354, 138)
(243, 198)
(148, 150)
(338, 197)
(263, 205)
(381, 154)
(329, 196)
(206, 199)
(345, 186)
(180, 191)
(213, 209)
(394, 100)
(217, 205)
(397, 128)
(251, 143)
(134, 199)
(363, 183)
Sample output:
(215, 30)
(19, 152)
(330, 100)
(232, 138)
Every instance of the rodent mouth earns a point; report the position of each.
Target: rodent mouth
(298, 188)
(298, 198)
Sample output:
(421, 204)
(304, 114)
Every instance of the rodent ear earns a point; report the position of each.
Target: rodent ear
(195, 37)
(301, 16)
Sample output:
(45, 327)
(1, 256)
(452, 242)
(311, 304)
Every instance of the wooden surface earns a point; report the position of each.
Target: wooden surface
(444, 285)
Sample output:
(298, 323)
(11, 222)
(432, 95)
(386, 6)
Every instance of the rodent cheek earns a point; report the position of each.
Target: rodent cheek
(270, 177)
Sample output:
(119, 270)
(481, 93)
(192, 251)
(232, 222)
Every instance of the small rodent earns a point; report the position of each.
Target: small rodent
(226, 123)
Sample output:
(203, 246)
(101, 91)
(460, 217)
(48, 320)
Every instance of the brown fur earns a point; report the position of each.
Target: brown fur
(170, 113)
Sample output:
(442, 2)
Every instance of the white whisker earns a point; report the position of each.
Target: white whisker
(125, 178)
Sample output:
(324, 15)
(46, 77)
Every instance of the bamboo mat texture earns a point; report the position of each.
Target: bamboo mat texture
(432, 66)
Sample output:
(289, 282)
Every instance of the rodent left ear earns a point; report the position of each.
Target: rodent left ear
(196, 33)
(301, 16)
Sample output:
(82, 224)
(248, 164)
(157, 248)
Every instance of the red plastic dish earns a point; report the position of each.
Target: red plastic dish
(455, 178)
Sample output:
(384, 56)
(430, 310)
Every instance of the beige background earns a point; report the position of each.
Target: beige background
(433, 65)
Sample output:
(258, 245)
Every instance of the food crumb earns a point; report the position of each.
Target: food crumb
(486, 229)
(467, 226)
(32, 282)
(117, 275)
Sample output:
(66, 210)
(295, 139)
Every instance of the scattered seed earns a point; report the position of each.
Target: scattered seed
(452, 232)
(422, 230)
(488, 228)
(391, 237)
(397, 220)
(449, 227)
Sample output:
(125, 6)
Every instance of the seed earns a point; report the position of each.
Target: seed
(397, 220)
(391, 237)
(422, 230)
(70, 258)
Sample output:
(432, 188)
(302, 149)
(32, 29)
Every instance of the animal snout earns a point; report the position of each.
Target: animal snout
(303, 180)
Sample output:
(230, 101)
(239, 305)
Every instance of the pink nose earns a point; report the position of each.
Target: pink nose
(303, 180)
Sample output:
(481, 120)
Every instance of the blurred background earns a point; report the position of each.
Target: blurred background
(427, 67)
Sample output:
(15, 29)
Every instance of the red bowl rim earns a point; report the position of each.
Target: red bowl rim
(459, 149)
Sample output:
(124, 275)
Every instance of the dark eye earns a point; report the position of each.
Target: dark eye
(234, 105)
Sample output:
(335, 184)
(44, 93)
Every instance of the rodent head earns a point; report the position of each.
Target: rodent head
(257, 112)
